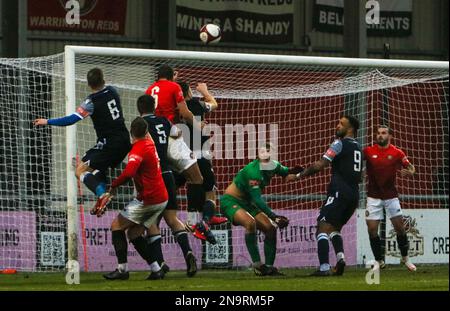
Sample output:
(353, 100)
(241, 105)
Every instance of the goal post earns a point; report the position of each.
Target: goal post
(71, 156)
(411, 68)
(293, 100)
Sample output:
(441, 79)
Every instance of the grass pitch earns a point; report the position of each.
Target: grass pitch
(393, 278)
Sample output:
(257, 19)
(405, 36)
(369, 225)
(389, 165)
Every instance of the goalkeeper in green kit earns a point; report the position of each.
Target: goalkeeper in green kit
(243, 205)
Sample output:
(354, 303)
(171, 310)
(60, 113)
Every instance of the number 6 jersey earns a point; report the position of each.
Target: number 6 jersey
(105, 110)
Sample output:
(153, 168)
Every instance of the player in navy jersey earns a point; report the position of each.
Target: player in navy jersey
(161, 129)
(345, 157)
(197, 144)
(113, 139)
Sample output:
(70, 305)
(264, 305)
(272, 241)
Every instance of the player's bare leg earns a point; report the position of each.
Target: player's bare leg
(244, 219)
(197, 202)
(375, 241)
(264, 224)
(402, 241)
(95, 181)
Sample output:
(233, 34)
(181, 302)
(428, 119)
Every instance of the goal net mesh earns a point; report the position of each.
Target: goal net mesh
(295, 106)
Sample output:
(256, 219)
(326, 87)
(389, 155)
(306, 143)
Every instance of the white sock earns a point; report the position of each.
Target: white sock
(257, 264)
(340, 256)
(155, 266)
(122, 267)
(325, 267)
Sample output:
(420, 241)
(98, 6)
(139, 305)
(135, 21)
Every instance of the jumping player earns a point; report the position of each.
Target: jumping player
(171, 104)
(198, 141)
(113, 140)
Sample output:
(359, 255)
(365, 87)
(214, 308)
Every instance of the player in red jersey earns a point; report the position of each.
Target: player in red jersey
(383, 160)
(143, 166)
(171, 104)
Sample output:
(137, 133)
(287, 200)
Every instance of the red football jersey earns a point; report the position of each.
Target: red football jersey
(143, 166)
(382, 165)
(167, 95)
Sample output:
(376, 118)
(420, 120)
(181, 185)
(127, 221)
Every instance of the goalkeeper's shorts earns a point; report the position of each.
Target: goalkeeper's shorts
(229, 205)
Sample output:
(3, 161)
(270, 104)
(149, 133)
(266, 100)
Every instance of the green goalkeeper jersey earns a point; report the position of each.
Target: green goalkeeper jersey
(251, 180)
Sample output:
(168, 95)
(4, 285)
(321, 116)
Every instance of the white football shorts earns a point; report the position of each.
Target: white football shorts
(180, 156)
(374, 208)
(141, 214)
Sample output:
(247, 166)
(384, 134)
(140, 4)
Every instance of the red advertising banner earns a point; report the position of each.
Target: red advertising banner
(95, 16)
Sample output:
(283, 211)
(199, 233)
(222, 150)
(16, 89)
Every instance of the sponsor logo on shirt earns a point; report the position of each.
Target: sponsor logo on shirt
(254, 183)
(375, 156)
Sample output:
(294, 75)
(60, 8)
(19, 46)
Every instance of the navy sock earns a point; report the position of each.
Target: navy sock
(182, 238)
(196, 197)
(323, 248)
(375, 245)
(143, 249)
(338, 243)
(98, 187)
(209, 210)
(119, 241)
(154, 243)
(403, 244)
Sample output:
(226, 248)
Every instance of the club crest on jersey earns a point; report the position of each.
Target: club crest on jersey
(254, 183)
(389, 157)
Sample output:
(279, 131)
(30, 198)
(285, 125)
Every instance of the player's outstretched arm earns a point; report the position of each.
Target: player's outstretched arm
(314, 168)
(293, 172)
(64, 121)
(130, 170)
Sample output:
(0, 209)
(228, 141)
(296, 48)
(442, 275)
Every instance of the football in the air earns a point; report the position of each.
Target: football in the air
(210, 34)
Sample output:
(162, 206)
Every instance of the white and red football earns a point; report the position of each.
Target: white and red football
(210, 34)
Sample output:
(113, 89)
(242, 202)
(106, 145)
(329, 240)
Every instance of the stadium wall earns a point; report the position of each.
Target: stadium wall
(428, 40)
